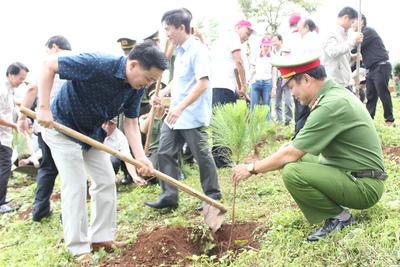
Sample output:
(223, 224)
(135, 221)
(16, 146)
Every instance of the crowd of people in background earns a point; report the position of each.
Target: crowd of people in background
(108, 98)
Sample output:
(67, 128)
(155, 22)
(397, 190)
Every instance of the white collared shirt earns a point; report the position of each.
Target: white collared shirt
(6, 111)
(117, 140)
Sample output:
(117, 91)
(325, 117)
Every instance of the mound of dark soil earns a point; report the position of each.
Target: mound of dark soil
(176, 245)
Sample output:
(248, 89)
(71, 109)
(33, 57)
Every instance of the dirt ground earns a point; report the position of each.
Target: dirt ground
(176, 245)
(393, 152)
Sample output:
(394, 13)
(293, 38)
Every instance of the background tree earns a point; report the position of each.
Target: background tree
(209, 28)
(271, 13)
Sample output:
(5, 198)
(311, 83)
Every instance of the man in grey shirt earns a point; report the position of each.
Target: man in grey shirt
(337, 47)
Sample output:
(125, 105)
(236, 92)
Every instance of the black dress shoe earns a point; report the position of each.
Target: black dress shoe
(127, 179)
(37, 218)
(161, 204)
(329, 226)
(5, 208)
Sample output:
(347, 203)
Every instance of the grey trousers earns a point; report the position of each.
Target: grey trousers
(287, 96)
(171, 143)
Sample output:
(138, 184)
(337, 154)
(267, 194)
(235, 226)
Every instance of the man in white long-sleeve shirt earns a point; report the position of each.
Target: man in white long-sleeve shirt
(117, 140)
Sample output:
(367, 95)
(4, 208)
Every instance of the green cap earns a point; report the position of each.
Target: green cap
(154, 36)
(126, 43)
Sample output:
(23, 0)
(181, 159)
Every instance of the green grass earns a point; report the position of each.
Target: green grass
(375, 241)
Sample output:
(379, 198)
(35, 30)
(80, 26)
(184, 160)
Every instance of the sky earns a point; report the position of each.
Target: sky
(90, 25)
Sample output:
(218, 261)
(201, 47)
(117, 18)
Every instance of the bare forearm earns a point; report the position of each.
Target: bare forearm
(131, 169)
(28, 99)
(49, 69)
(242, 75)
(133, 135)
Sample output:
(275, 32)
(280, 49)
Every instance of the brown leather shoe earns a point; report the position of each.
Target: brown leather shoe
(84, 259)
(108, 246)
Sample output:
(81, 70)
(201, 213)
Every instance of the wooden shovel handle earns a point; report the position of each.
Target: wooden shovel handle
(168, 53)
(129, 159)
(151, 121)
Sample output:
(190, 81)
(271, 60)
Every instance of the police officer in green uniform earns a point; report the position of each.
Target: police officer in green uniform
(325, 168)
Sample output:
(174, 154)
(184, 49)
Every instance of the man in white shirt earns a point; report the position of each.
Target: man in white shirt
(117, 140)
(16, 75)
(226, 56)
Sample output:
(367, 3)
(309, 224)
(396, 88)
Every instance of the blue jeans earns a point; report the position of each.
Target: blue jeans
(261, 89)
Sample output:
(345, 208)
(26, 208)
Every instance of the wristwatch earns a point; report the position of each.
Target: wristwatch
(250, 168)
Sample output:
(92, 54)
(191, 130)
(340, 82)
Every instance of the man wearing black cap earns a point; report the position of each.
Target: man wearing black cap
(325, 168)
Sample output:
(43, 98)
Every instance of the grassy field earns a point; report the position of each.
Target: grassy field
(374, 241)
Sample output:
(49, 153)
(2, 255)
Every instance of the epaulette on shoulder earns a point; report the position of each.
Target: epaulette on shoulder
(316, 102)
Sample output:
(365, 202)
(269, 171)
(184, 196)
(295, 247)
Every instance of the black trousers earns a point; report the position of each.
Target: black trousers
(377, 86)
(118, 164)
(302, 118)
(47, 175)
(5, 171)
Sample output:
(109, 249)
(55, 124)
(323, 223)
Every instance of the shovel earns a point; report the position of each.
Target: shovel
(213, 210)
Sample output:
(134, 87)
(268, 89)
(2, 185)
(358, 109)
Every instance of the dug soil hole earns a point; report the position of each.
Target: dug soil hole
(179, 246)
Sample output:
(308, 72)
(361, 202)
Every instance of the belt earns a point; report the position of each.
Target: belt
(371, 174)
(384, 62)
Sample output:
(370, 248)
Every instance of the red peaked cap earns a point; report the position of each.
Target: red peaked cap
(290, 71)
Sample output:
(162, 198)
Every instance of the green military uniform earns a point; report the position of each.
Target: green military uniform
(320, 182)
(155, 138)
(396, 72)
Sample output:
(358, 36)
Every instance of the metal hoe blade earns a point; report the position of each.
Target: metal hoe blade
(213, 217)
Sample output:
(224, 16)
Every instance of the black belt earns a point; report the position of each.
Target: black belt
(371, 174)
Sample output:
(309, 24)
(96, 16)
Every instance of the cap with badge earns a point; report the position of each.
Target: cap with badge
(290, 66)
(126, 44)
(247, 24)
(154, 37)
